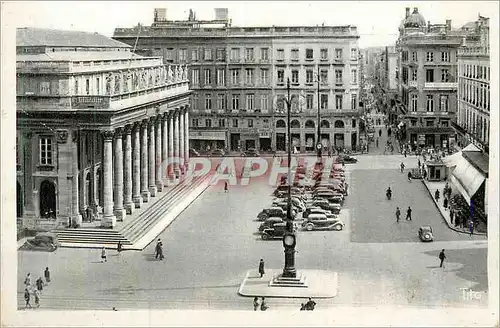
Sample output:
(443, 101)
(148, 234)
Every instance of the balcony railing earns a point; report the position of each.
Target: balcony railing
(440, 85)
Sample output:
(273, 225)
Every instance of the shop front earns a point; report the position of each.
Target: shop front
(265, 140)
(205, 140)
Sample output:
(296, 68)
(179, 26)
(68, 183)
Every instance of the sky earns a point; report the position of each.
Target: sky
(377, 21)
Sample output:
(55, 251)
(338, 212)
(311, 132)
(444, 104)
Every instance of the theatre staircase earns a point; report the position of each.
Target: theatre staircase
(144, 225)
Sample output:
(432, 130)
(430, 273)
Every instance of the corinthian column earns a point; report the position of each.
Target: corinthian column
(109, 219)
(144, 163)
(152, 159)
(171, 144)
(158, 166)
(181, 139)
(127, 172)
(136, 162)
(118, 181)
(164, 148)
(75, 213)
(176, 142)
(186, 136)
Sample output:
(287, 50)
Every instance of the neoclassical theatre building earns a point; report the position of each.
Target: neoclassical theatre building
(95, 123)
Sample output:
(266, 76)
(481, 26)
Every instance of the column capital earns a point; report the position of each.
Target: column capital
(108, 135)
(118, 132)
(128, 129)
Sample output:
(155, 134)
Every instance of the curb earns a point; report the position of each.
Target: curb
(444, 219)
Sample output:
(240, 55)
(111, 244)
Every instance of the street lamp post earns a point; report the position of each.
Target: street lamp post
(319, 145)
(289, 238)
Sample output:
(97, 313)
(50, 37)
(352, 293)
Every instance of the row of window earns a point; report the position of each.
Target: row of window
(429, 56)
(264, 76)
(475, 93)
(445, 75)
(475, 124)
(475, 71)
(249, 54)
(430, 123)
(298, 103)
(443, 103)
(238, 122)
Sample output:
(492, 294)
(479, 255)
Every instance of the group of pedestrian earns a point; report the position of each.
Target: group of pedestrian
(36, 290)
(308, 306)
(408, 214)
(263, 305)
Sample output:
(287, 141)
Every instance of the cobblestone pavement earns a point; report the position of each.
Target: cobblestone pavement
(212, 244)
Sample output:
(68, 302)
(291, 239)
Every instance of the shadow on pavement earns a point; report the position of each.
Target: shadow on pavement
(475, 271)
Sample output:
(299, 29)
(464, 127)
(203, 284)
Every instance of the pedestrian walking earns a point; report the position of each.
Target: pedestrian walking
(39, 284)
(255, 303)
(380, 132)
(37, 298)
(261, 268)
(103, 255)
(225, 186)
(441, 258)
(376, 142)
(119, 247)
(27, 280)
(263, 305)
(27, 298)
(159, 250)
(302, 306)
(471, 227)
(419, 164)
(402, 165)
(452, 213)
(404, 152)
(408, 214)
(46, 273)
(445, 203)
(436, 195)
(409, 176)
(398, 214)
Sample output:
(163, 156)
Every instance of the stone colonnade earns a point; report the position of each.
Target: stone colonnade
(137, 160)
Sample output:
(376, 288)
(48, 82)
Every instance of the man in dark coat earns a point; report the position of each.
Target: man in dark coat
(27, 297)
(441, 258)
(408, 214)
(47, 275)
(261, 268)
(398, 214)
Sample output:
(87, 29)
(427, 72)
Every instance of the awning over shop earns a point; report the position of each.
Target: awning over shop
(453, 160)
(467, 179)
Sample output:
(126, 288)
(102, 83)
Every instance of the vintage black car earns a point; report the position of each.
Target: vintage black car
(277, 231)
(271, 212)
(250, 153)
(44, 241)
(425, 234)
(270, 223)
(346, 159)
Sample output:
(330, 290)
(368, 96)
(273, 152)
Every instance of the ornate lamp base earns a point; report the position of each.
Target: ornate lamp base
(280, 281)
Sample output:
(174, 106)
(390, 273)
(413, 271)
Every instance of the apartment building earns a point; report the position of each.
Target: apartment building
(428, 80)
(473, 117)
(239, 75)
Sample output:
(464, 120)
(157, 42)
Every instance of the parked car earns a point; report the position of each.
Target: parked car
(284, 206)
(317, 210)
(250, 153)
(217, 153)
(193, 153)
(299, 204)
(425, 233)
(346, 159)
(277, 231)
(322, 222)
(271, 212)
(43, 241)
(334, 199)
(325, 204)
(269, 223)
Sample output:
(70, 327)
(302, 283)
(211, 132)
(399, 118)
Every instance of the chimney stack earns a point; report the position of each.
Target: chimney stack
(407, 12)
(448, 25)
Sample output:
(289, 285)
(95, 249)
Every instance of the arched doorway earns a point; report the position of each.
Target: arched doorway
(19, 199)
(47, 199)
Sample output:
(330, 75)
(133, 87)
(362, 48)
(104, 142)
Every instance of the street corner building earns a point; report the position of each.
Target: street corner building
(95, 122)
(238, 80)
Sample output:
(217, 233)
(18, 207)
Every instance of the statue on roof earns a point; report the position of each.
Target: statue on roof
(185, 73)
(170, 74)
(192, 15)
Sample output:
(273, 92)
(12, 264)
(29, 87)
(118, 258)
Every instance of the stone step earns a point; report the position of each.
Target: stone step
(170, 197)
(140, 225)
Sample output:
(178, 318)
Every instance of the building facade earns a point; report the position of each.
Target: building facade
(96, 127)
(238, 77)
(473, 117)
(428, 67)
